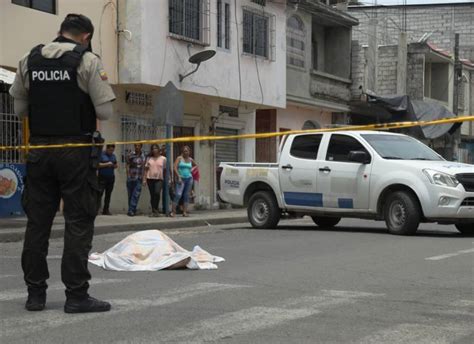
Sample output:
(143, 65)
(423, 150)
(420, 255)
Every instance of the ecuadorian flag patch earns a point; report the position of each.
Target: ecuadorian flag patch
(103, 75)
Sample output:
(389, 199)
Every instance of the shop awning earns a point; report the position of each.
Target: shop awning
(402, 108)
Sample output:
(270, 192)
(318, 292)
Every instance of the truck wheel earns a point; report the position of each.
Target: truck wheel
(263, 210)
(326, 222)
(465, 228)
(402, 213)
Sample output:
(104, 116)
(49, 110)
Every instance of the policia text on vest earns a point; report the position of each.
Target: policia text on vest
(52, 75)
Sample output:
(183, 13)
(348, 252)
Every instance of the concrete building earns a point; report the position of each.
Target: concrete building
(430, 59)
(318, 71)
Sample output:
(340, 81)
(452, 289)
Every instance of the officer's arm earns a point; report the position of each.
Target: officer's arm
(99, 89)
(21, 107)
(104, 111)
(19, 92)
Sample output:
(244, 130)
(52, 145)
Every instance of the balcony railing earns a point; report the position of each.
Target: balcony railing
(329, 87)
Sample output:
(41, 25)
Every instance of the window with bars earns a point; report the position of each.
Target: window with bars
(189, 19)
(11, 128)
(135, 128)
(256, 31)
(48, 6)
(314, 55)
(230, 111)
(138, 98)
(223, 24)
(295, 42)
(227, 26)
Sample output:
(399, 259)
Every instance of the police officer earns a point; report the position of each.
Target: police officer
(63, 89)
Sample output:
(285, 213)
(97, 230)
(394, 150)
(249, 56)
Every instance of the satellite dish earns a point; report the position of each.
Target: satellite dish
(202, 56)
(311, 124)
(197, 59)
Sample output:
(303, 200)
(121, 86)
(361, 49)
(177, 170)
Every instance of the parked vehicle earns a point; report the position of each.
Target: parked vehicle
(361, 174)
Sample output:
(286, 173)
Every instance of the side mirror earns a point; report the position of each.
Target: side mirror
(359, 156)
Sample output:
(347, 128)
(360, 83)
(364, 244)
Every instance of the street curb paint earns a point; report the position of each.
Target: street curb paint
(18, 235)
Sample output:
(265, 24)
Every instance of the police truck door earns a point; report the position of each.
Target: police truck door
(343, 183)
(298, 172)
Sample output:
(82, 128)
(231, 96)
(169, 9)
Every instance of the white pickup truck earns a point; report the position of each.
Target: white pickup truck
(360, 174)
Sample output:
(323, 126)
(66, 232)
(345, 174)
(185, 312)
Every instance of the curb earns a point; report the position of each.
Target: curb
(17, 235)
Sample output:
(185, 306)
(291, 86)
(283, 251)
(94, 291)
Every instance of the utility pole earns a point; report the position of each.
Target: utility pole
(402, 56)
(168, 172)
(372, 53)
(457, 74)
(402, 64)
(456, 137)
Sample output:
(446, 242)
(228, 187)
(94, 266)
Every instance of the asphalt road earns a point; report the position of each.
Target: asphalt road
(295, 284)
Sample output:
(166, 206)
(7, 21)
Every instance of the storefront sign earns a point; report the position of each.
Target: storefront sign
(11, 188)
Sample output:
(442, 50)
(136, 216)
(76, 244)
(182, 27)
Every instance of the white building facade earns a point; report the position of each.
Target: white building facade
(247, 73)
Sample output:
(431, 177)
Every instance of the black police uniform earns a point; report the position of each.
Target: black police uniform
(59, 112)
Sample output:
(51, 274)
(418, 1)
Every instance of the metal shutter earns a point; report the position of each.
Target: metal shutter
(227, 150)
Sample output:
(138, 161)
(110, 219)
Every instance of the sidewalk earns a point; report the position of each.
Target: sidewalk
(13, 229)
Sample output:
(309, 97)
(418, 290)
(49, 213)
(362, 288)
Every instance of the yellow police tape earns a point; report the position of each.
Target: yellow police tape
(383, 126)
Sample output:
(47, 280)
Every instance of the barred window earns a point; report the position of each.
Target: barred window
(48, 6)
(223, 24)
(227, 26)
(295, 42)
(256, 34)
(138, 98)
(219, 23)
(136, 128)
(11, 128)
(189, 19)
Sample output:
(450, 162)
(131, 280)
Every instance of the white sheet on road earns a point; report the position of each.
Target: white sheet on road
(152, 250)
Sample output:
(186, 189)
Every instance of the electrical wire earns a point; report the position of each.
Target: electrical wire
(209, 86)
(164, 60)
(256, 62)
(177, 55)
(238, 54)
(100, 23)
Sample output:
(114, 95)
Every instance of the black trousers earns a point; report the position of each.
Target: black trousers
(52, 175)
(155, 186)
(106, 184)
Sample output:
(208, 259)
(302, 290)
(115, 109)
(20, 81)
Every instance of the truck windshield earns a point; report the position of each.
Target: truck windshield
(400, 147)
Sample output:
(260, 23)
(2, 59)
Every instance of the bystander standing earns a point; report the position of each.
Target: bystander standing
(184, 179)
(107, 166)
(153, 176)
(135, 164)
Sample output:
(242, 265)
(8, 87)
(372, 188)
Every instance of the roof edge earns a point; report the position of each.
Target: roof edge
(444, 4)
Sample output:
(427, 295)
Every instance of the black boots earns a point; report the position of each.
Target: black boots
(35, 302)
(87, 305)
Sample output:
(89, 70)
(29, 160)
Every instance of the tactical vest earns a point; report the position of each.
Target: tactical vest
(57, 106)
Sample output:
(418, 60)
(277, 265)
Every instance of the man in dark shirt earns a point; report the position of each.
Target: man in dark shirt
(107, 166)
(135, 165)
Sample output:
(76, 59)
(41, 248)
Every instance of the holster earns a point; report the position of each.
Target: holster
(96, 150)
